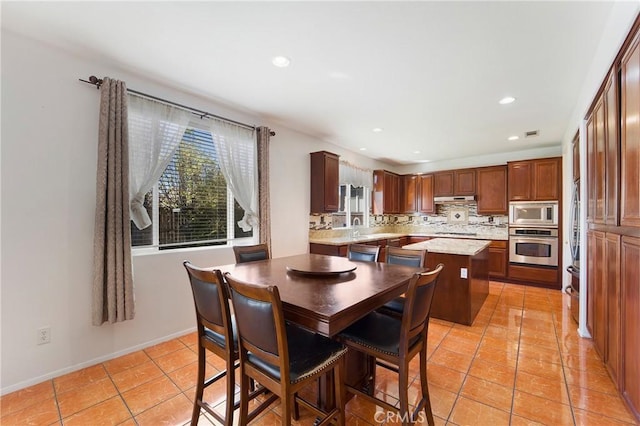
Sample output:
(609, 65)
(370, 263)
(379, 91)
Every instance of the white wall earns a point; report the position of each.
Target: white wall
(49, 135)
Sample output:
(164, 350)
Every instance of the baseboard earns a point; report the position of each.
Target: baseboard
(76, 367)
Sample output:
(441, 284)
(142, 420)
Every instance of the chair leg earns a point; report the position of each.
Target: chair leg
(195, 416)
(425, 385)
(231, 390)
(338, 373)
(403, 393)
(286, 403)
(244, 397)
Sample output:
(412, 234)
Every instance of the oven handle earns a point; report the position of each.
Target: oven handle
(521, 239)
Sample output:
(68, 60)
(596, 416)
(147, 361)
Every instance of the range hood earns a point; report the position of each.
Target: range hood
(453, 200)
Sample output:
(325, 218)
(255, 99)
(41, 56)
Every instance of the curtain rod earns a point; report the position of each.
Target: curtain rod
(203, 114)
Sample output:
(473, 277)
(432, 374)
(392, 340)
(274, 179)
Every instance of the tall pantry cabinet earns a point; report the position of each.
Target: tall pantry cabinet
(613, 219)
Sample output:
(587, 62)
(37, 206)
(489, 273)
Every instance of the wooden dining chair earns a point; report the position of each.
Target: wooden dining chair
(216, 334)
(397, 341)
(363, 252)
(251, 253)
(264, 342)
(400, 256)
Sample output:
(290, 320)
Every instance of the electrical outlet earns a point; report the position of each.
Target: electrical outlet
(463, 272)
(44, 335)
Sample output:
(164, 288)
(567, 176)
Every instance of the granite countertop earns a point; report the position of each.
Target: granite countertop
(451, 246)
(338, 241)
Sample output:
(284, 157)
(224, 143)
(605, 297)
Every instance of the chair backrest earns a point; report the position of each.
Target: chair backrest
(400, 256)
(417, 307)
(363, 252)
(251, 253)
(211, 300)
(260, 321)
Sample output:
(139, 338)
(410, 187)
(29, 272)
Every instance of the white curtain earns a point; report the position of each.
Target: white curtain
(155, 131)
(237, 155)
(354, 175)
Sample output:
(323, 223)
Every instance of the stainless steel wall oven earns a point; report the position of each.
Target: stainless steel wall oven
(533, 246)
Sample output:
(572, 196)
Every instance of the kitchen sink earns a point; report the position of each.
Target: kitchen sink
(468, 234)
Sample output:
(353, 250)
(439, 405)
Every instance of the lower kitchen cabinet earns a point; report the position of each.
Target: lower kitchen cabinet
(328, 249)
(629, 273)
(498, 259)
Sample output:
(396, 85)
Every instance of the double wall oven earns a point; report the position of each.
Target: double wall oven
(533, 233)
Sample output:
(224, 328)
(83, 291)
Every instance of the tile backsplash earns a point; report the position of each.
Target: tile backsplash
(447, 217)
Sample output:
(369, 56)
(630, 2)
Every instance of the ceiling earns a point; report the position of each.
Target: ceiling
(430, 74)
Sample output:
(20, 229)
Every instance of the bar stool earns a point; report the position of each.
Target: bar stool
(397, 340)
(363, 252)
(216, 333)
(400, 256)
(251, 253)
(282, 357)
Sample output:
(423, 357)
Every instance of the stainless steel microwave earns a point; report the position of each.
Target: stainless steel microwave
(533, 213)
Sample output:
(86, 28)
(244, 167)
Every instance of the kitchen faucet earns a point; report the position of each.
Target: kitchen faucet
(354, 231)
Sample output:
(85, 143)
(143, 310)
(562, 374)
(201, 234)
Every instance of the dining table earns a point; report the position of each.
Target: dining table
(326, 294)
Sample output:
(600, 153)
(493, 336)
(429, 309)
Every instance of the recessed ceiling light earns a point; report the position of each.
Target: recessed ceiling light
(506, 100)
(363, 149)
(281, 61)
(416, 152)
(513, 138)
(376, 129)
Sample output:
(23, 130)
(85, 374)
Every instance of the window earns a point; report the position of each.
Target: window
(191, 205)
(354, 207)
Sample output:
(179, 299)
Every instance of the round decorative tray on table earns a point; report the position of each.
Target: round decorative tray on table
(322, 265)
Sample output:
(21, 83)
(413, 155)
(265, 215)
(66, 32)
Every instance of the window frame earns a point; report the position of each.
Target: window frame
(229, 241)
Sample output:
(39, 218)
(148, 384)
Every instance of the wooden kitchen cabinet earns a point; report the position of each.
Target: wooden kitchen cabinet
(443, 184)
(591, 176)
(416, 194)
(613, 210)
(596, 171)
(612, 283)
(464, 182)
(630, 135)
(425, 194)
(324, 182)
(612, 152)
(599, 323)
(498, 259)
(546, 179)
(519, 174)
(386, 192)
(455, 182)
(492, 190)
(535, 180)
(630, 372)
(409, 193)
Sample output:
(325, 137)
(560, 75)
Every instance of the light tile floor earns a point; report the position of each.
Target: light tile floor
(521, 362)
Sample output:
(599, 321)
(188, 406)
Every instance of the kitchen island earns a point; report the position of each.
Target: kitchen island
(463, 284)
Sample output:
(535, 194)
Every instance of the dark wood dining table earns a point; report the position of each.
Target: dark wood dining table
(323, 293)
(326, 294)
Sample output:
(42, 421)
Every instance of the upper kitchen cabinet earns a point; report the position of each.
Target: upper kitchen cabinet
(416, 194)
(425, 191)
(409, 193)
(630, 135)
(455, 182)
(535, 180)
(492, 190)
(324, 182)
(603, 157)
(386, 192)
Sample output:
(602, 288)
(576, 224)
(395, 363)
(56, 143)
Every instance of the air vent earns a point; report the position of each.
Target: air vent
(531, 134)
